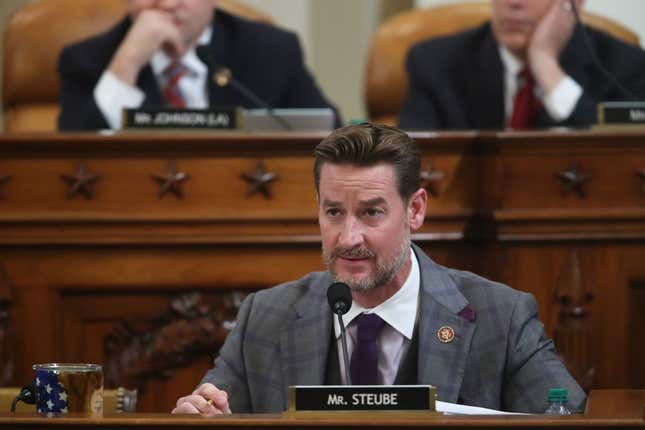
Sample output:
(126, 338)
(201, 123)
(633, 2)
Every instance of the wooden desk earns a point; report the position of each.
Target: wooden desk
(104, 279)
(628, 415)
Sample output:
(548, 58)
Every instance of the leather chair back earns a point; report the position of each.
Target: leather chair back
(34, 36)
(386, 79)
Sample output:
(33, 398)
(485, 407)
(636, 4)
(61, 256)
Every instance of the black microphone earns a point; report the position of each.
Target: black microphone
(340, 301)
(222, 77)
(594, 57)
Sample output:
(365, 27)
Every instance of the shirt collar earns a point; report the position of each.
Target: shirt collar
(190, 60)
(399, 311)
(512, 64)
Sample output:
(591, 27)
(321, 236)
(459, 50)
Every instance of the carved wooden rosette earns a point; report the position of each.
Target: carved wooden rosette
(6, 334)
(3, 180)
(170, 181)
(81, 182)
(641, 175)
(430, 179)
(573, 180)
(572, 323)
(139, 351)
(259, 180)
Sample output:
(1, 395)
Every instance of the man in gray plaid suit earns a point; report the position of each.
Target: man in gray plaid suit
(479, 342)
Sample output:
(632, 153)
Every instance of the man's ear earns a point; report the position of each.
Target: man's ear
(417, 208)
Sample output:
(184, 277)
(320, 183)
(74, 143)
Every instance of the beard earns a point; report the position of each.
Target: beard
(383, 274)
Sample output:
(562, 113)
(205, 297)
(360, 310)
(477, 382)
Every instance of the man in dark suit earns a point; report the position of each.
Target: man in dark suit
(479, 342)
(134, 64)
(470, 80)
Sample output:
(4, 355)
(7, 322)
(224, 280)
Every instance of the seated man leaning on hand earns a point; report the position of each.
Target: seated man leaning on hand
(369, 202)
(150, 59)
(526, 68)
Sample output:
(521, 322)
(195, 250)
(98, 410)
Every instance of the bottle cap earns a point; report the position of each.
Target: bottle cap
(558, 395)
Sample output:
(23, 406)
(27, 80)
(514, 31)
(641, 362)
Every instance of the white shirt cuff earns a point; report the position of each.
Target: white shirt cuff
(112, 95)
(560, 102)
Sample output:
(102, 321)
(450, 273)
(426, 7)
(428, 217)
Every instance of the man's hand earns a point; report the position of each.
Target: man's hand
(151, 30)
(207, 399)
(549, 38)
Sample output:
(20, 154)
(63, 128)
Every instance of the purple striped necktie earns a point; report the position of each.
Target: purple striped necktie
(364, 362)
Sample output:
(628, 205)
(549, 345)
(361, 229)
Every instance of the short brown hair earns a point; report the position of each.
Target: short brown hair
(370, 144)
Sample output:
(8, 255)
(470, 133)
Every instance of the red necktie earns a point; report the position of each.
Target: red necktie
(173, 73)
(526, 105)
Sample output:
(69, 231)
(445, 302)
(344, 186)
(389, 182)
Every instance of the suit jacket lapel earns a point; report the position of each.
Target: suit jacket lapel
(304, 343)
(484, 75)
(148, 84)
(442, 305)
(222, 46)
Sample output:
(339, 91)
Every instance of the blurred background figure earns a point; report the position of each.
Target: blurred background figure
(151, 58)
(528, 67)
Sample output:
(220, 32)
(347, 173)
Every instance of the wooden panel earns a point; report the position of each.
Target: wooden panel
(122, 330)
(81, 268)
(607, 270)
(636, 330)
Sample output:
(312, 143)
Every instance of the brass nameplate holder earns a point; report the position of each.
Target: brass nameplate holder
(327, 398)
(170, 118)
(625, 113)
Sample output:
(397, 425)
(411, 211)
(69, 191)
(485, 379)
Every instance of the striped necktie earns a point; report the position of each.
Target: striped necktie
(172, 74)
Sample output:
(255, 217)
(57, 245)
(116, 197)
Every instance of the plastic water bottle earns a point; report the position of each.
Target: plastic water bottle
(558, 402)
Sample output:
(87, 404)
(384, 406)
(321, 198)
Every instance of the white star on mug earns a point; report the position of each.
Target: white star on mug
(62, 396)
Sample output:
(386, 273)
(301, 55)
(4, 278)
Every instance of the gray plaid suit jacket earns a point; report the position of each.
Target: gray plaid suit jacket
(500, 357)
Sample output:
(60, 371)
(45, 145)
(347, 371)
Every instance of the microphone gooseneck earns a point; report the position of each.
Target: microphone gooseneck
(223, 77)
(594, 57)
(340, 301)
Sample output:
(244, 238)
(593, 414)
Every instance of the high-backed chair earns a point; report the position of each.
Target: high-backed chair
(386, 80)
(33, 39)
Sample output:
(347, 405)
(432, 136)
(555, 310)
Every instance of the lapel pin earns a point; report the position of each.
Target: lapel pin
(446, 334)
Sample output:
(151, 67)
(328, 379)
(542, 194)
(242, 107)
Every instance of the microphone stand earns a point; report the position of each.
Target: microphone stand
(259, 102)
(222, 77)
(594, 56)
(343, 337)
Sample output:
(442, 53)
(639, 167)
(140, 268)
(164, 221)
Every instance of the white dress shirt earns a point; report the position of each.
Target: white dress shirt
(113, 95)
(559, 103)
(399, 313)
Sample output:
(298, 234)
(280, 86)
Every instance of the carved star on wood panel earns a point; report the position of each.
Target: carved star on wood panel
(259, 181)
(170, 181)
(430, 179)
(641, 174)
(81, 182)
(573, 180)
(3, 180)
